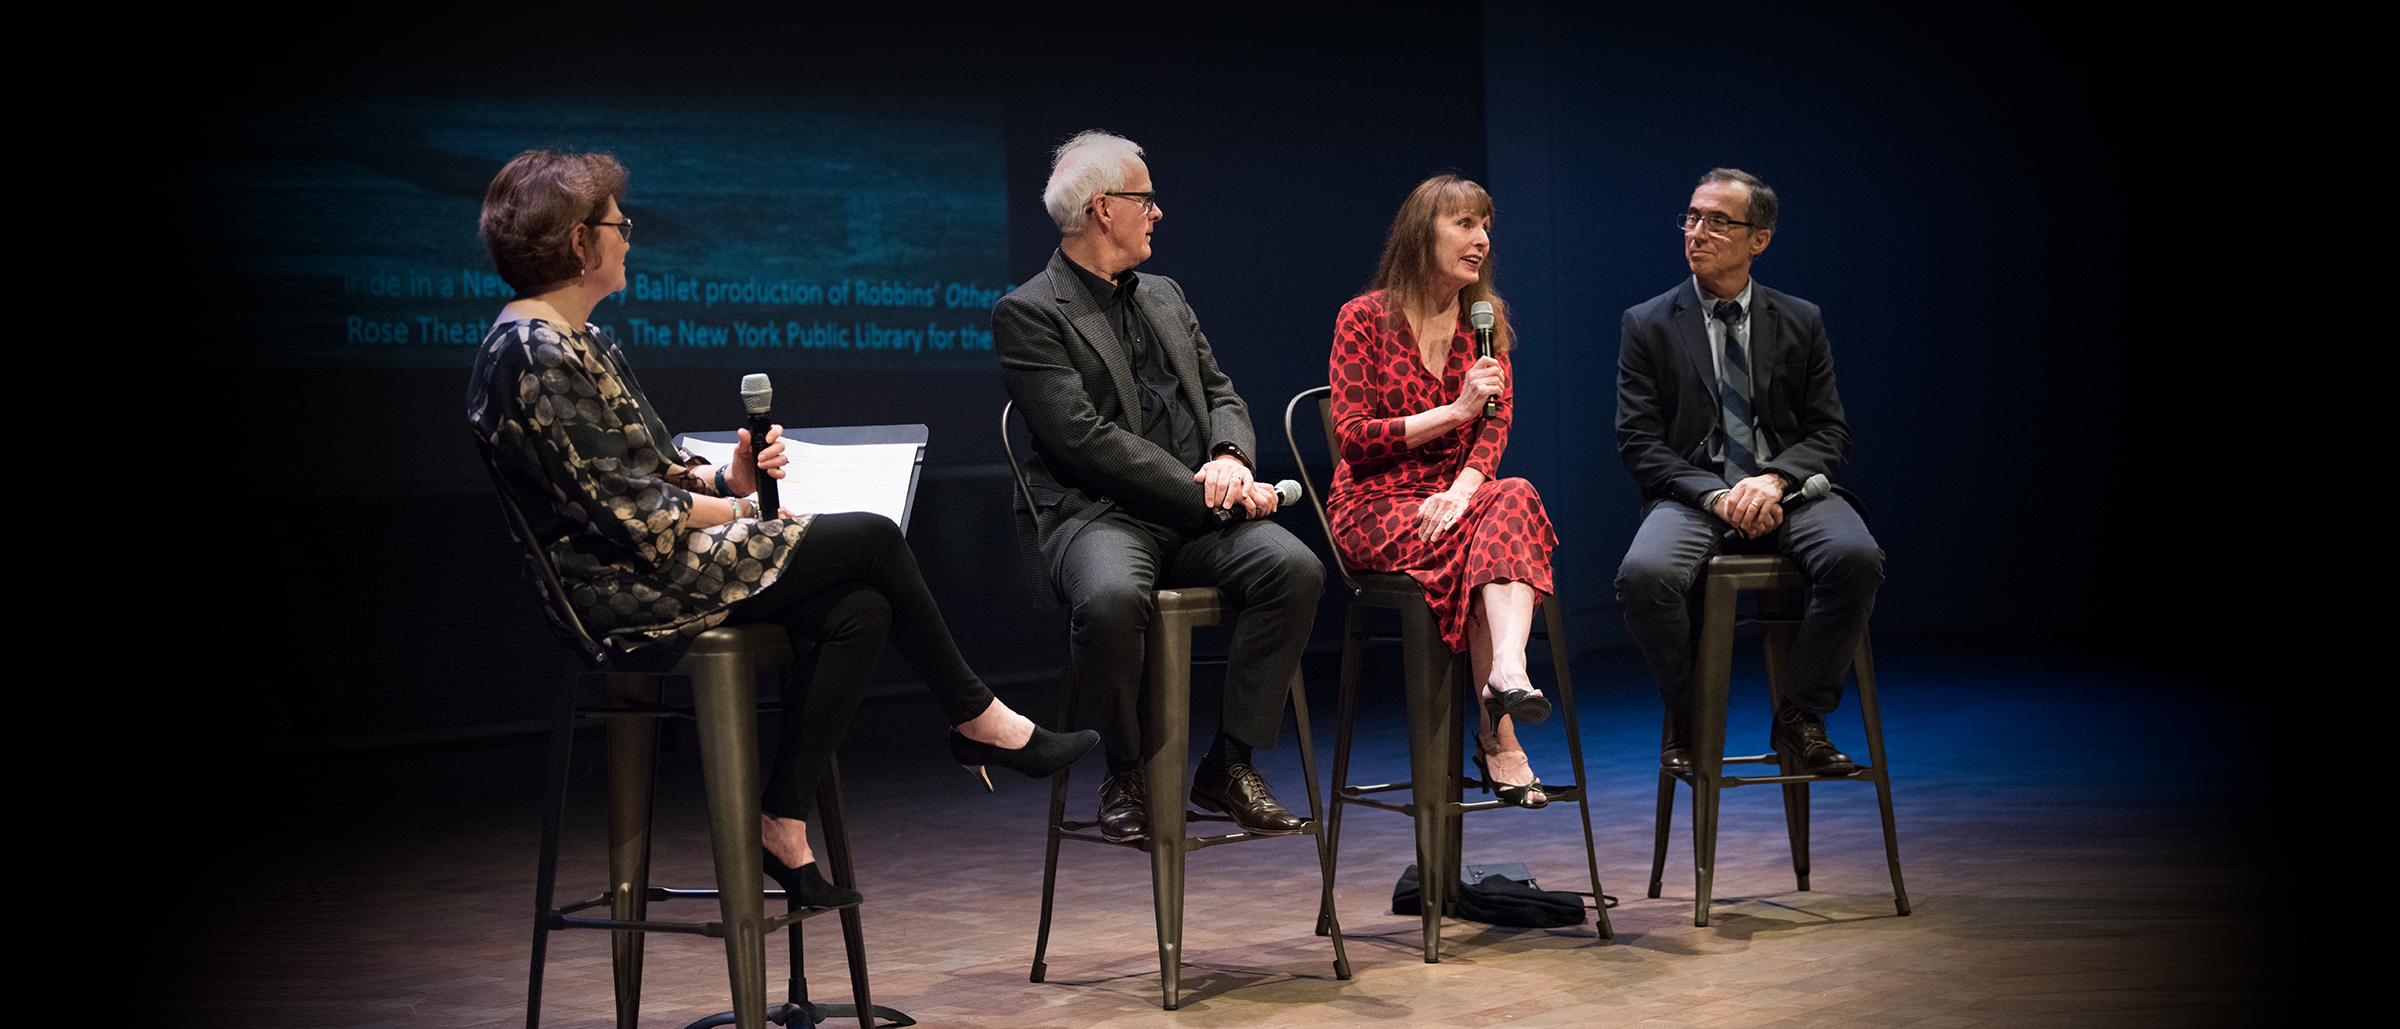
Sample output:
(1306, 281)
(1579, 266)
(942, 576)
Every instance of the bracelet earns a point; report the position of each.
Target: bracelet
(722, 488)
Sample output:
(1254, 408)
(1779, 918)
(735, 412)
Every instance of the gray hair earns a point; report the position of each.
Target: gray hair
(1091, 163)
(1762, 196)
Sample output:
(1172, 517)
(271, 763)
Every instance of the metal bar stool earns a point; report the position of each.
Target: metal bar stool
(1167, 680)
(722, 665)
(1431, 675)
(1780, 587)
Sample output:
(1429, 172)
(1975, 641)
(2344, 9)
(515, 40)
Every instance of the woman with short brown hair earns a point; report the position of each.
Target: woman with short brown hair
(657, 547)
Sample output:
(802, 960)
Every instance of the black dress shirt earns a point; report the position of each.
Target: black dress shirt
(1167, 418)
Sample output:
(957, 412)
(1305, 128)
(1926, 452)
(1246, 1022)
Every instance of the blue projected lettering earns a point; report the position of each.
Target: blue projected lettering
(364, 331)
(866, 239)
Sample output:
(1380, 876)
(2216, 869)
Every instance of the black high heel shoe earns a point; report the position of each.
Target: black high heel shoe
(1527, 706)
(807, 885)
(1519, 796)
(1040, 758)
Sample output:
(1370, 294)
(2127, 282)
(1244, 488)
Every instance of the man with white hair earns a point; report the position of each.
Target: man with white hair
(1142, 473)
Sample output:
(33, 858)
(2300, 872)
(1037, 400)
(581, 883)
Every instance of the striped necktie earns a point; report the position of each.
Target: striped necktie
(1733, 392)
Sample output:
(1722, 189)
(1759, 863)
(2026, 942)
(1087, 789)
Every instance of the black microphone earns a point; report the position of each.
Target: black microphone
(757, 396)
(1287, 493)
(1816, 486)
(1481, 316)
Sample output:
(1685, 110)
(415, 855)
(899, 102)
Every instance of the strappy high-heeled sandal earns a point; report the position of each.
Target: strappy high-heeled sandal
(1526, 705)
(1520, 796)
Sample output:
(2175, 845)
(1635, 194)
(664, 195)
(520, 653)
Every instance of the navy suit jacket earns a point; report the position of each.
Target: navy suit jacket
(1667, 408)
(1075, 383)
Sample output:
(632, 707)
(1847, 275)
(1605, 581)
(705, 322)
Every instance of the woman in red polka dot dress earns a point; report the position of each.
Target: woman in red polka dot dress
(1417, 490)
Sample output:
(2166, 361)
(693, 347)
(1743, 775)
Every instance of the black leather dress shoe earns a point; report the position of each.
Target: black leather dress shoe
(1241, 792)
(1801, 736)
(1675, 743)
(1124, 815)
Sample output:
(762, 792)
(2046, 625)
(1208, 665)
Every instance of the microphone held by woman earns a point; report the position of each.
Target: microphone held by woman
(653, 541)
(1420, 373)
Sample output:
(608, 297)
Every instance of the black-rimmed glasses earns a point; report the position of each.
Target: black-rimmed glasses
(1717, 224)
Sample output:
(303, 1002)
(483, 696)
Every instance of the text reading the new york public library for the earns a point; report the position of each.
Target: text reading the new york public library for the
(672, 310)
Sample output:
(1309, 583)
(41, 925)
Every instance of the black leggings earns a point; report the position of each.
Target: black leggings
(851, 582)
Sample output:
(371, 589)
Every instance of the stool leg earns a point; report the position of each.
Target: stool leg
(1432, 718)
(1795, 825)
(632, 763)
(1344, 723)
(1464, 711)
(1058, 815)
(1666, 821)
(1712, 675)
(795, 988)
(845, 874)
(1041, 936)
(1873, 715)
(725, 694)
(1316, 816)
(1778, 647)
(1705, 796)
(1583, 792)
(1167, 665)
(554, 814)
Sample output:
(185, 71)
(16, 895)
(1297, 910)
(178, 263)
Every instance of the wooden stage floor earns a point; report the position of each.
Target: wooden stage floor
(2071, 858)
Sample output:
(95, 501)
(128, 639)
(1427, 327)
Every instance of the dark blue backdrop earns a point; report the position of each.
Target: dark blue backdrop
(1982, 203)
(1973, 198)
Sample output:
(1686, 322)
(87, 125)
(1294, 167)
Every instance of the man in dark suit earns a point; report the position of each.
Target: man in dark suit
(1142, 475)
(1725, 403)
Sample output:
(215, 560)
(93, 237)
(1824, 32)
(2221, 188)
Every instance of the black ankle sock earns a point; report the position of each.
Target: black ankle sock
(1225, 752)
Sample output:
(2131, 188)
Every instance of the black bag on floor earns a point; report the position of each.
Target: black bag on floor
(1503, 894)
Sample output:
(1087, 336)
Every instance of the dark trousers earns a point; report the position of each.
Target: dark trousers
(851, 583)
(1117, 561)
(1828, 540)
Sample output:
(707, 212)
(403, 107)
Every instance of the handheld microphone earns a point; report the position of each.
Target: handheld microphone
(1816, 486)
(757, 396)
(1480, 316)
(1287, 492)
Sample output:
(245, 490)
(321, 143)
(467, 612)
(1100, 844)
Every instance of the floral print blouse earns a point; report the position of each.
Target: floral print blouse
(572, 440)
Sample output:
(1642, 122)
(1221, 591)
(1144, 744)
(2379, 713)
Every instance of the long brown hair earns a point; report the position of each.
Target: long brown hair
(1406, 272)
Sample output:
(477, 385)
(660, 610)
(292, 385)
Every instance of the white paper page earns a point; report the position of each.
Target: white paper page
(823, 480)
(719, 454)
(864, 477)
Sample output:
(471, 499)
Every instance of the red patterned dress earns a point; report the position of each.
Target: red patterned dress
(1378, 381)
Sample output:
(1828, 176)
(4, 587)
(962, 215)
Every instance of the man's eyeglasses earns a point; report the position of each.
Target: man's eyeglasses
(624, 228)
(1149, 200)
(1718, 224)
